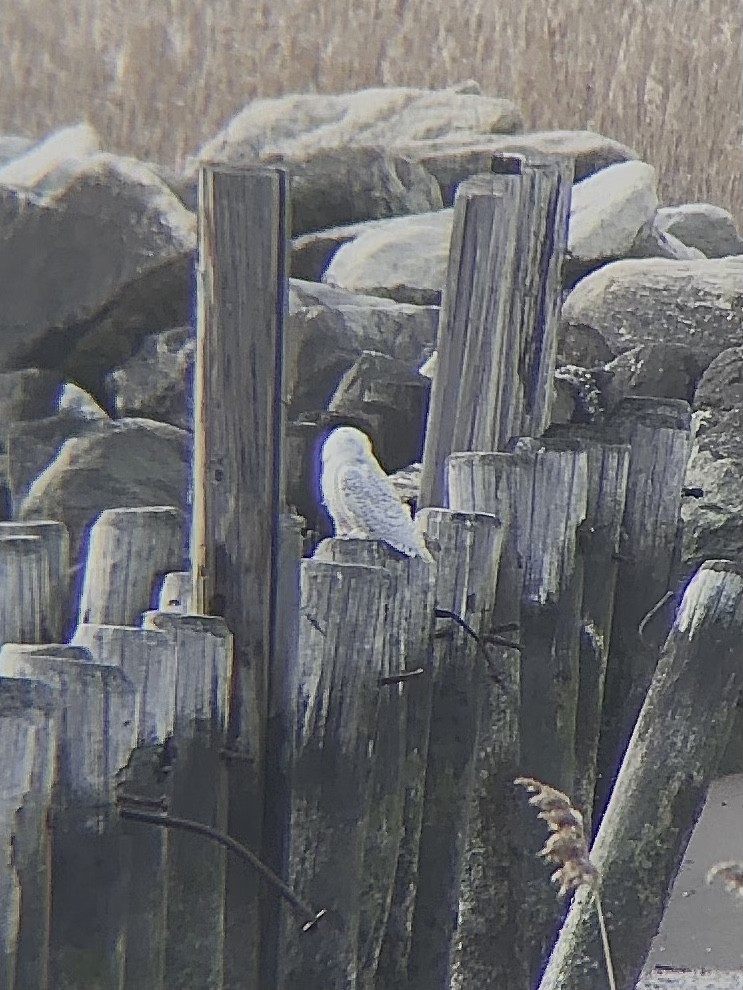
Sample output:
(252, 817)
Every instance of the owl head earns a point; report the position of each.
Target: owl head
(346, 442)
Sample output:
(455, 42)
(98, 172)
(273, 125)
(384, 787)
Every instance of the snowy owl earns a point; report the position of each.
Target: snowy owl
(359, 496)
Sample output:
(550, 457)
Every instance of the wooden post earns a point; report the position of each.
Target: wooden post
(499, 314)
(337, 699)
(660, 791)
(28, 729)
(486, 936)
(25, 593)
(89, 873)
(238, 480)
(176, 592)
(398, 775)
(467, 549)
(54, 536)
(129, 550)
(657, 431)
(148, 659)
(196, 788)
(600, 543)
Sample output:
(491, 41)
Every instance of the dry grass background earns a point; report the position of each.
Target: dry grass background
(157, 77)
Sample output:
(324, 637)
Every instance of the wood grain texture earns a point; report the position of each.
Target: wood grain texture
(499, 315)
(672, 756)
(342, 655)
(129, 550)
(28, 735)
(55, 621)
(657, 432)
(467, 549)
(238, 480)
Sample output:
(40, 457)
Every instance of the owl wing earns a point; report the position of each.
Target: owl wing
(370, 499)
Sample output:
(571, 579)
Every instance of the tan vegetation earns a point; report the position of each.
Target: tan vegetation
(157, 77)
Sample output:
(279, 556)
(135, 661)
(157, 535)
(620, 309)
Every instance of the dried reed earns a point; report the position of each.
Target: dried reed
(566, 846)
(157, 77)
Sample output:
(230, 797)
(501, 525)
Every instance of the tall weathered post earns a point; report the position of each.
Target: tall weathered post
(499, 313)
(238, 484)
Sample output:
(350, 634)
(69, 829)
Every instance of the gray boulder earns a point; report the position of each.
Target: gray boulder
(51, 163)
(404, 259)
(28, 393)
(654, 242)
(664, 370)
(708, 228)
(156, 382)
(453, 158)
(76, 401)
(306, 292)
(608, 210)
(713, 520)
(698, 304)
(324, 341)
(66, 257)
(133, 462)
(333, 186)
(389, 116)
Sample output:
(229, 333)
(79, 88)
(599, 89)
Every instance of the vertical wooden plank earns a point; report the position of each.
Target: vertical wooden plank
(54, 622)
(196, 788)
(486, 938)
(658, 434)
(600, 544)
(398, 775)
(337, 698)
(660, 791)
(238, 480)
(148, 659)
(25, 592)
(28, 729)
(129, 549)
(89, 873)
(499, 314)
(467, 548)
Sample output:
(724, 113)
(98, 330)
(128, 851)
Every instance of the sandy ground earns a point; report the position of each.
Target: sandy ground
(700, 941)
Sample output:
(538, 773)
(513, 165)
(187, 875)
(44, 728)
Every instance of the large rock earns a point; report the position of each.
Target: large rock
(156, 382)
(708, 228)
(298, 124)
(28, 393)
(663, 370)
(698, 304)
(713, 520)
(335, 186)
(654, 242)
(324, 341)
(66, 257)
(452, 159)
(404, 259)
(54, 161)
(133, 462)
(303, 293)
(608, 209)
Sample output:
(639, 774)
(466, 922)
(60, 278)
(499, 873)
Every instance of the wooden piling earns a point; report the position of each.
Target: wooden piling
(238, 480)
(600, 545)
(28, 730)
(499, 314)
(660, 791)
(194, 781)
(337, 700)
(55, 620)
(25, 591)
(89, 872)
(400, 747)
(147, 658)
(129, 550)
(657, 431)
(487, 932)
(176, 593)
(467, 549)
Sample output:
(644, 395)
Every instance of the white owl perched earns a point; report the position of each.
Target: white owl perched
(359, 496)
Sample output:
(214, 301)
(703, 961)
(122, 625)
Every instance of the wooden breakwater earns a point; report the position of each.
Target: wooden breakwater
(297, 773)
